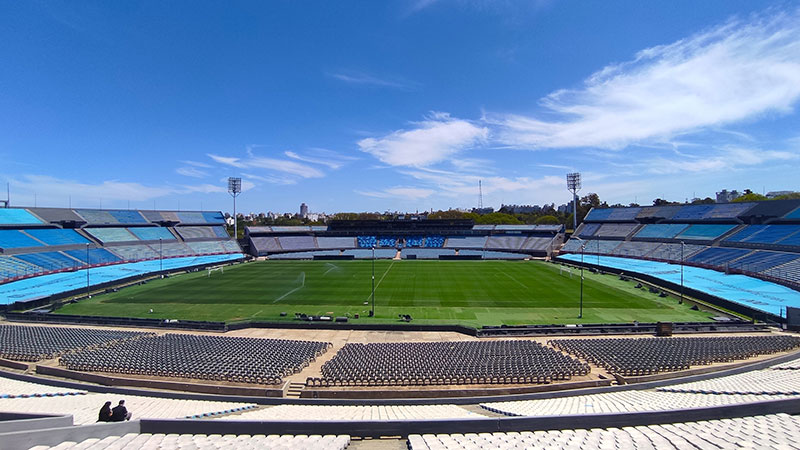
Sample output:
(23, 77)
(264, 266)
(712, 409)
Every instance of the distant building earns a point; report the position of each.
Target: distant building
(482, 211)
(774, 194)
(564, 208)
(725, 196)
(303, 210)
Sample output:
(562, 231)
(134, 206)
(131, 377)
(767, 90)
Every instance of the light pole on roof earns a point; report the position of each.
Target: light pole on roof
(235, 188)
(574, 185)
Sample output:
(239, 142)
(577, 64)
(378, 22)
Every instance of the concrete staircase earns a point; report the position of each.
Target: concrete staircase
(295, 389)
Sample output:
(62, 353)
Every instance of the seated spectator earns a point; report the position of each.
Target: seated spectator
(105, 413)
(120, 413)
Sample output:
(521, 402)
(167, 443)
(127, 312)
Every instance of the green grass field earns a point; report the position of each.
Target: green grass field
(465, 292)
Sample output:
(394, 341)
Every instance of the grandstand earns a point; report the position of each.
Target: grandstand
(407, 237)
(44, 242)
(757, 239)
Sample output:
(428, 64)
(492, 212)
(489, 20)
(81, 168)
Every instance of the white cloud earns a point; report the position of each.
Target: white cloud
(278, 165)
(402, 192)
(322, 157)
(191, 172)
(197, 164)
(736, 71)
(361, 78)
(433, 140)
(727, 159)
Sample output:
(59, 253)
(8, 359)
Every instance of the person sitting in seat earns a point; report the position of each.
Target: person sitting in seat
(120, 413)
(105, 413)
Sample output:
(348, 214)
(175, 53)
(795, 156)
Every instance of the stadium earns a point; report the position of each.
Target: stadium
(646, 327)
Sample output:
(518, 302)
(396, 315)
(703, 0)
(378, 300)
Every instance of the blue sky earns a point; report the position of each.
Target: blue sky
(394, 105)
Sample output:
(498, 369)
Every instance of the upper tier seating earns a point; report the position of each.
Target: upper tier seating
(291, 229)
(297, 242)
(505, 242)
(95, 256)
(587, 229)
(152, 233)
(704, 232)
(387, 241)
(202, 232)
(459, 362)
(793, 215)
(232, 359)
(612, 214)
(208, 441)
(466, 242)
(26, 343)
(161, 216)
(646, 356)
(106, 235)
(17, 239)
(266, 244)
(214, 217)
(660, 231)
(414, 241)
(693, 212)
(192, 217)
(336, 242)
(434, 241)
(57, 236)
(111, 217)
(367, 241)
(718, 256)
(537, 243)
(483, 227)
(615, 230)
(727, 210)
(14, 216)
(658, 212)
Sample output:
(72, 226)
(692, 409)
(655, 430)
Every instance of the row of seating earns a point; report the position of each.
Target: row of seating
(646, 356)
(22, 343)
(434, 363)
(216, 358)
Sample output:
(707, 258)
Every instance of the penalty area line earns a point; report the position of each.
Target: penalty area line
(302, 285)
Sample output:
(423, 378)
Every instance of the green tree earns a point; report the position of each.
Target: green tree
(497, 218)
(547, 220)
(750, 197)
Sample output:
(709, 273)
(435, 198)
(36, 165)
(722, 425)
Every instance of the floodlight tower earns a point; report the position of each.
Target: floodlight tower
(235, 188)
(574, 185)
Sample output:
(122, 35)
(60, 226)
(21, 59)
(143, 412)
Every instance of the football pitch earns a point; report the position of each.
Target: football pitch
(473, 293)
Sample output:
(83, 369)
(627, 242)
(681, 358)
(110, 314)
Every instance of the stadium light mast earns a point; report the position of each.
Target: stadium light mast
(235, 188)
(574, 185)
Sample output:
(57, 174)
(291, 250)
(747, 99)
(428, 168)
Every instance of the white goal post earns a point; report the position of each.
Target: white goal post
(220, 269)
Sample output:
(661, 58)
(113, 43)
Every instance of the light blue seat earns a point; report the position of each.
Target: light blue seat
(15, 216)
(152, 233)
(704, 232)
(106, 235)
(49, 260)
(17, 239)
(57, 236)
(95, 256)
